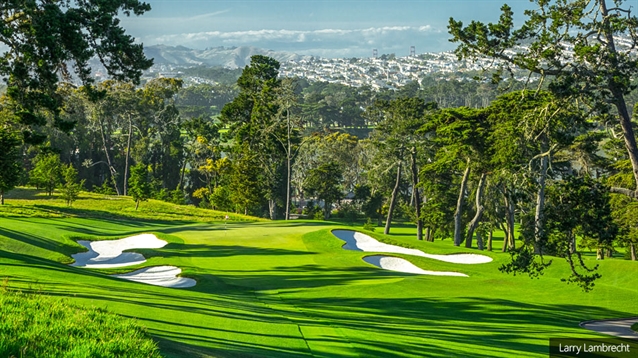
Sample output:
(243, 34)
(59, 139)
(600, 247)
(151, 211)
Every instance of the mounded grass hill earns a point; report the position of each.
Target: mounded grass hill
(288, 288)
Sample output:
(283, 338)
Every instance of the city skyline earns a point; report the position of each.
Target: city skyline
(321, 28)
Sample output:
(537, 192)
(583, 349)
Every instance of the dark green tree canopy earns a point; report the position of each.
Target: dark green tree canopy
(44, 37)
(572, 43)
(10, 168)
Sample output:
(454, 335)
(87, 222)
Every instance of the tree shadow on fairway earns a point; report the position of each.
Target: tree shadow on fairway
(174, 344)
(171, 348)
(476, 327)
(110, 216)
(300, 277)
(39, 241)
(293, 223)
(199, 250)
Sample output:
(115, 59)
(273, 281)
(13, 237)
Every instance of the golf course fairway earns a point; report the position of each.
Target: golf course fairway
(288, 289)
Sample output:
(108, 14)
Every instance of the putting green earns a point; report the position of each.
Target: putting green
(289, 289)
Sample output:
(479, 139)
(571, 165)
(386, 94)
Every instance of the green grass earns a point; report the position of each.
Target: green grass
(34, 325)
(289, 289)
(634, 327)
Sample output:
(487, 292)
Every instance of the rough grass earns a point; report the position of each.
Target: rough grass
(288, 289)
(28, 202)
(634, 327)
(34, 325)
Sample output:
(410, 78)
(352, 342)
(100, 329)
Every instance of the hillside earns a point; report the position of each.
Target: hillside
(229, 57)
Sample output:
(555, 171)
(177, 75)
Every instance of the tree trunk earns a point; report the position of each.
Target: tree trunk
(417, 196)
(288, 178)
(509, 221)
(458, 214)
(393, 200)
(108, 161)
(479, 241)
(128, 155)
(632, 250)
(288, 174)
(326, 210)
(479, 212)
(1, 197)
(137, 204)
(180, 184)
(599, 254)
(621, 105)
(506, 241)
(540, 204)
(489, 239)
(272, 209)
(572, 244)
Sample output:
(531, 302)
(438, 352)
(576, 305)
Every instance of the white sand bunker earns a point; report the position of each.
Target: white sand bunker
(358, 241)
(108, 253)
(401, 265)
(159, 276)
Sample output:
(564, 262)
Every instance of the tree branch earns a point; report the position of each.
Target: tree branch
(624, 191)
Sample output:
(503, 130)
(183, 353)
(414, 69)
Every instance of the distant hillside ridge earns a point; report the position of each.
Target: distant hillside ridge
(229, 57)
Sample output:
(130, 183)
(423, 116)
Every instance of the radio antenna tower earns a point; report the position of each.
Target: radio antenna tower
(375, 53)
(412, 51)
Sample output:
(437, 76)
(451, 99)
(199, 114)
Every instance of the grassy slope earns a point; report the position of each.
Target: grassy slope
(288, 289)
(34, 325)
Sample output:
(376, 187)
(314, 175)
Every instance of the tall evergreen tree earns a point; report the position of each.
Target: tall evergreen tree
(250, 117)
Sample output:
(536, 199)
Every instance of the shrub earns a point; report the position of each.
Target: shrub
(368, 225)
(105, 189)
(348, 211)
(71, 188)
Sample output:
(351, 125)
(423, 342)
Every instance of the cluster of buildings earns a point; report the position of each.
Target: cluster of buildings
(384, 72)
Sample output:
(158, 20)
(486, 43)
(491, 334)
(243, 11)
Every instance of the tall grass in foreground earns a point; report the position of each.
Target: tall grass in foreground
(34, 325)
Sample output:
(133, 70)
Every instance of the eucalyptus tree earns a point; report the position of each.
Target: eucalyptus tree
(575, 46)
(163, 147)
(42, 38)
(286, 129)
(125, 101)
(103, 119)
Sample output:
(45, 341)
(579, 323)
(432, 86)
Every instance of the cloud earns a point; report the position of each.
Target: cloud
(327, 42)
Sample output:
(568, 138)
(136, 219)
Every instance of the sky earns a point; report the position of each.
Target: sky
(327, 28)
